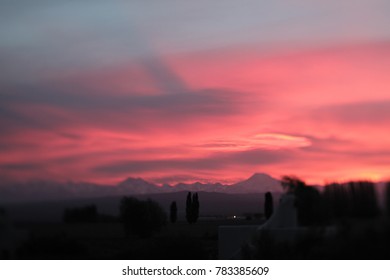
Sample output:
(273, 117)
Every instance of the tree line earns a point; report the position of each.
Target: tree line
(140, 218)
(355, 199)
(144, 218)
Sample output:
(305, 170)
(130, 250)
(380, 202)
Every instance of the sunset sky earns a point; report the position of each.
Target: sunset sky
(194, 90)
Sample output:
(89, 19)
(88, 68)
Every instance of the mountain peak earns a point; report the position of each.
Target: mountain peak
(258, 182)
(138, 186)
(259, 176)
(132, 180)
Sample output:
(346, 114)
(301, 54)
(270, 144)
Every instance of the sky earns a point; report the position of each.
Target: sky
(194, 90)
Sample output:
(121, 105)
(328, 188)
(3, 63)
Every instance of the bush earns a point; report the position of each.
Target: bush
(141, 218)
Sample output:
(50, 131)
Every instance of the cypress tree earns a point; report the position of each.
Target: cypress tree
(189, 208)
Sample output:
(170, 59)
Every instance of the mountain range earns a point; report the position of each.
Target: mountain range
(48, 190)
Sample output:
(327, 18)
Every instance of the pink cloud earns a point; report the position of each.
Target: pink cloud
(320, 114)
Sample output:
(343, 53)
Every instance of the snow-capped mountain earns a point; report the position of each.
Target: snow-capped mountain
(137, 186)
(257, 183)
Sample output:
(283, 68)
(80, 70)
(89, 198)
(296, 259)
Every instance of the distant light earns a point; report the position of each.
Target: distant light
(234, 217)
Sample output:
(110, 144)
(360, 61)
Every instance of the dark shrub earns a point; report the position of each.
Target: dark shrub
(141, 218)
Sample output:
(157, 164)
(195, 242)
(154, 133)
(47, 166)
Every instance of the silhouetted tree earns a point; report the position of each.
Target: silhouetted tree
(363, 199)
(337, 200)
(309, 202)
(86, 214)
(268, 205)
(189, 208)
(353, 199)
(173, 212)
(292, 183)
(192, 208)
(142, 218)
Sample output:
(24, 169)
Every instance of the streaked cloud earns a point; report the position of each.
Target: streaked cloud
(202, 90)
